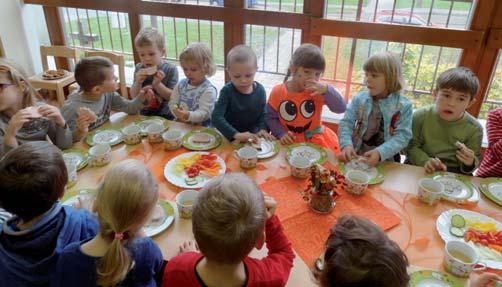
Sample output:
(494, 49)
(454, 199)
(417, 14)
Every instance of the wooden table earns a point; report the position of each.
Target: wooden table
(398, 177)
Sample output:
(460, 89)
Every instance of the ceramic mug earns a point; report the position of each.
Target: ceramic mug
(154, 132)
(300, 166)
(100, 155)
(132, 134)
(248, 157)
(430, 191)
(357, 181)
(71, 168)
(461, 259)
(185, 201)
(172, 139)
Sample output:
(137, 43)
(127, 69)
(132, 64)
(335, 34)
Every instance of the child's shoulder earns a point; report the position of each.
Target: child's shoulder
(472, 122)
(166, 66)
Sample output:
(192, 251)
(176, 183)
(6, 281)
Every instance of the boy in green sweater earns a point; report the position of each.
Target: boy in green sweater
(445, 136)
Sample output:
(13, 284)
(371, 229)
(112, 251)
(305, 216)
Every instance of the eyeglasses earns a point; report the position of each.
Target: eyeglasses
(5, 86)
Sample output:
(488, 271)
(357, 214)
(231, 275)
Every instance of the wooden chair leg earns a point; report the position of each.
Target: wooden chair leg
(60, 96)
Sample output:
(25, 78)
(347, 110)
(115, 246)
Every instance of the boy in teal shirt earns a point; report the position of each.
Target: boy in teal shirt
(445, 136)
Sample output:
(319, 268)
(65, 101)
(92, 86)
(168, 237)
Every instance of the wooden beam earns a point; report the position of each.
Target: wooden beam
(56, 33)
(233, 30)
(134, 26)
(398, 33)
(314, 9)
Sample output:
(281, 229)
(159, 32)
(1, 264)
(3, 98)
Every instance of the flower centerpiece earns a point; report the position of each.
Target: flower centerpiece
(320, 192)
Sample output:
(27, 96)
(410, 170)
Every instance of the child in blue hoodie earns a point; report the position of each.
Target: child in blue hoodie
(33, 177)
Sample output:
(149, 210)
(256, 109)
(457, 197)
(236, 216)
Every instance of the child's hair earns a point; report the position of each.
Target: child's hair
(149, 36)
(308, 56)
(33, 177)
(390, 65)
(228, 218)
(90, 72)
(242, 54)
(200, 54)
(17, 75)
(358, 253)
(124, 202)
(460, 79)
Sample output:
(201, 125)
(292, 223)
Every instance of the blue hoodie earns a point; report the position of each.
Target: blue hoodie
(28, 257)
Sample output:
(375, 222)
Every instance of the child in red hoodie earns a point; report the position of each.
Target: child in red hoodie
(230, 217)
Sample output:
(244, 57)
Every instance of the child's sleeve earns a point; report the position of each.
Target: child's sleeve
(416, 156)
(279, 260)
(62, 137)
(272, 115)
(218, 117)
(346, 126)
(334, 100)
(402, 134)
(70, 115)
(171, 78)
(206, 106)
(130, 107)
(174, 99)
(473, 143)
(494, 132)
(261, 124)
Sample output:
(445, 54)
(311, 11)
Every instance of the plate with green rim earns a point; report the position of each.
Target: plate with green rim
(315, 153)
(268, 148)
(491, 187)
(375, 173)
(143, 123)
(156, 226)
(84, 196)
(457, 188)
(104, 136)
(202, 139)
(78, 156)
(430, 278)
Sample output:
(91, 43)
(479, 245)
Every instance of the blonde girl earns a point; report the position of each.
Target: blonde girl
(193, 98)
(377, 123)
(22, 117)
(294, 109)
(118, 254)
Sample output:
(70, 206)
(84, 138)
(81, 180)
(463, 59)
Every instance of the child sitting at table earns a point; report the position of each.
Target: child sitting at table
(22, 118)
(90, 107)
(32, 180)
(242, 96)
(445, 136)
(377, 123)
(294, 108)
(359, 253)
(154, 74)
(231, 217)
(193, 98)
(491, 165)
(118, 255)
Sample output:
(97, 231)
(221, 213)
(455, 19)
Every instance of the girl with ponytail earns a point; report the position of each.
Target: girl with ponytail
(118, 255)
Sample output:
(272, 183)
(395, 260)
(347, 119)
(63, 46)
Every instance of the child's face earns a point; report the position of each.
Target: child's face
(150, 55)
(375, 82)
(242, 76)
(303, 75)
(110, 84)
(451, 104)
(194, 73)
(10, 94)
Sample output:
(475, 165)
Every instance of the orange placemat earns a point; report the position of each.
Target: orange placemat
(307, 230)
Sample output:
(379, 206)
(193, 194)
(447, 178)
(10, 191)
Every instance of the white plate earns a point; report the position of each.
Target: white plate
(456, 187)
(179, 180)
(443, 224)
(496, 189)
(166, 222)
(107, 137)
(144, 124)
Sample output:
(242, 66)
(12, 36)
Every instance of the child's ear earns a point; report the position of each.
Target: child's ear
(434, 93)
(96, 90)
(163, 52)
(293, 69)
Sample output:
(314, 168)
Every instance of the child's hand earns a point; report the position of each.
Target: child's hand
(372, 157)
(83, 123)
(287, 139)
(465, 155)
(316, 88)
(485, 280)
(188, 246)
(140, 76)
(270, 205)
(245, 137)
(17, 121)
(347, 153)
(53, 114)
(266, 135)
(158, 77)
(434, 164)
(181, 114)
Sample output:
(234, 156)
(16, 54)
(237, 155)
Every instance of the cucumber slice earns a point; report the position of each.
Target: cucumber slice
(456, 231)
(191, 181)
(458, 221)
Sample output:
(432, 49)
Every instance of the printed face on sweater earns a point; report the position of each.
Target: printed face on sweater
(194, 72)
(298, 113)
(242, 76)
(451, 104)
(150, 55)
(375, 82)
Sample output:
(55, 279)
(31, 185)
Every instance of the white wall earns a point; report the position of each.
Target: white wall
(23, 30)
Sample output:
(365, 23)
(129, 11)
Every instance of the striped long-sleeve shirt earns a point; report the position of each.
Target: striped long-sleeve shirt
(491, 165)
